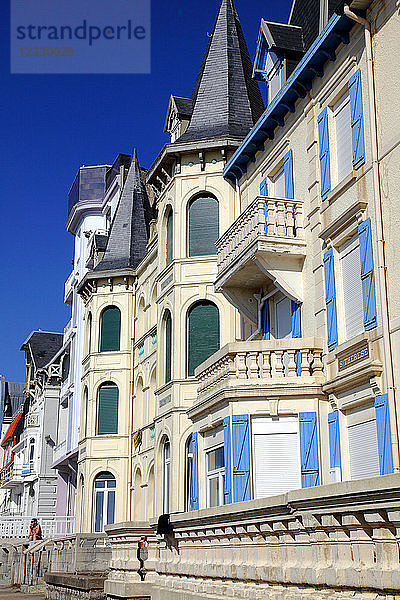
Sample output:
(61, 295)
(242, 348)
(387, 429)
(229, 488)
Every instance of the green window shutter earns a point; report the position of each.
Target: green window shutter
(168, 347)
(107, 417)
(170, 237)
(110, 330)
(203, 226)
(203, 334)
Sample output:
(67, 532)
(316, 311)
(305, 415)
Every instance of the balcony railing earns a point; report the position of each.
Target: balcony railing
(277, 218)
(11, 475)
(255, 363)
(18, 527)
(59, 451)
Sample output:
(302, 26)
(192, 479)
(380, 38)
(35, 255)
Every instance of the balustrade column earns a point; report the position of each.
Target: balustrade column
(299, 219)
(242, 367)
(292, 367)
(271, 225)
(290, 219)
(280, 218)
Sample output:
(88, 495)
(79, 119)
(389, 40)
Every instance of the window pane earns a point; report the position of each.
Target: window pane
(203, 334)
(110, 330)
(170, 236)
(203, 226)
(98, 522)
(213, 487)
(111, 484)
(100, 484)
(107, 421)
(111, 508)
(168, 348)
(215, 459)
(279, 184)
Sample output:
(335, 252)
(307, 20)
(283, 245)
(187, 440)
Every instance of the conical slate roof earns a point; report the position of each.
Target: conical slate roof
(226, 99)
(129, 231)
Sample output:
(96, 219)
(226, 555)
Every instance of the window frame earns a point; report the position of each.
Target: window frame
(102, 386)
(212, 474)
(192, 307)
(107, 491)
(190, 203)
(108, 308)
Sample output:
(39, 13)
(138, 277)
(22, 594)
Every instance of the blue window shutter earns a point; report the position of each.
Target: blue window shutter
(194, 492)
(334, 440)
(241, 458)
(324, 153)
(296, 333)
(384, 434)
(309, 449)
(264, 187)
(288, 171)
(367, 274)
(330, 291)
(357, 119)
(265, 323)
(228, 461)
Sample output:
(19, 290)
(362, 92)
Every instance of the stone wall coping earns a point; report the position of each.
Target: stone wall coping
(77, 581)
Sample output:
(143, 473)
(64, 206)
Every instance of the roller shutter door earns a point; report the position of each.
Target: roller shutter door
(363, 449)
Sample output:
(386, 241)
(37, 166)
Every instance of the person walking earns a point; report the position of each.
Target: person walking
(35, 532)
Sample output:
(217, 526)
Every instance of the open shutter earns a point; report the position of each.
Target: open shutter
(384, 434)
(309, 449)
(241, 458)
(265, 323)
(296, 332)
(367, 274)
(334, 447)
(324, 153)
(330, 290)
(107, 418)
(357, 119)
(194, 492)
(228, 461)
(288, 168)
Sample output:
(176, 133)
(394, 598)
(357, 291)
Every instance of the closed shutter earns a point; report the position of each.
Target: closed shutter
(357, 119)
(203, 230)
(309, 449)
(367, 274)
(384, 436)
(352, 288)
(276, 455)
(279, 184)
(228, 461)
(107, 419)
(330, 296)
(288, 169)
(241, 458)
(324, 157)
(343, 134)
(170, 237)
(168, 347)
(203, 334)
(363, 450)
(110, 330)
(334, 447)
(194, 492)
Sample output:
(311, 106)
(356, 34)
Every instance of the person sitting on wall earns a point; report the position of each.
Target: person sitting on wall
(35, 532)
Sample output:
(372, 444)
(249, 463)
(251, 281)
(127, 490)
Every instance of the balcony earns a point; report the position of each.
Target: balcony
(69, 288)
(265, 242)
(11, 476)
(59, 451)
(259, 369)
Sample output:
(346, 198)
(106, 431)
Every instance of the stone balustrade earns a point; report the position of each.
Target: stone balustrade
(251, 363)
(272, 217)
(336, 541)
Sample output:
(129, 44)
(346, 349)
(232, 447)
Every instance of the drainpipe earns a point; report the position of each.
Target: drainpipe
(382, 269)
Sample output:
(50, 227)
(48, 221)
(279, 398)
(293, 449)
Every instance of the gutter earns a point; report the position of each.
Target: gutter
(382, 268)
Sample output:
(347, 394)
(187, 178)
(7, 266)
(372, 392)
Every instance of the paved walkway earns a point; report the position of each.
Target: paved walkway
(15, 594)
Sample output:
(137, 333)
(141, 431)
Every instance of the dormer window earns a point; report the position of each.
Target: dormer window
(274, 75)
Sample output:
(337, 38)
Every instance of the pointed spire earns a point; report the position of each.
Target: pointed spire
(129, 231)
(226, 99)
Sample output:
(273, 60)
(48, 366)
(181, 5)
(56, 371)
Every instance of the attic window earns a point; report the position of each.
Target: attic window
(274, 75)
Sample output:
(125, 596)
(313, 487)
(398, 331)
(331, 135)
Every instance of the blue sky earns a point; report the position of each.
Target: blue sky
(52, 124)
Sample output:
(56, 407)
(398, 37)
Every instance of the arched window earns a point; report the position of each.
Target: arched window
(107, 409)
(170, 237)
(104, 501)
(168, 347)
(89, 333)
(31, 453)
(65, 367)
(166, 476)
(203, 225)
(110, 329)
(202, 333)
(85, 409)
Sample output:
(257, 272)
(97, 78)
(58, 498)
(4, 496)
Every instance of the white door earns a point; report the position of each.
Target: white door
(276, 455)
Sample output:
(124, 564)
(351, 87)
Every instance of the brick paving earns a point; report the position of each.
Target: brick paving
(15, 594)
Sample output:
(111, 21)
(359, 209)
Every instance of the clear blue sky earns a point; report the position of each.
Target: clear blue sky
(52, 124)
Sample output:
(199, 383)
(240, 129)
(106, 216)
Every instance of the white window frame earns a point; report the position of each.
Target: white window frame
(212, 474)
(108, 490)
(166, 476)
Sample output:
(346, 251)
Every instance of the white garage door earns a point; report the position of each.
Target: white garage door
(276, 455)
(363, 449)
